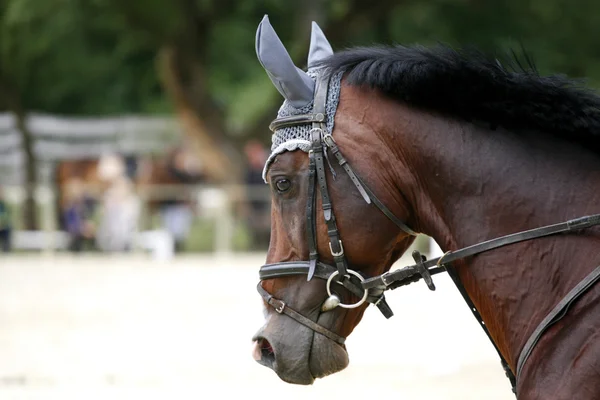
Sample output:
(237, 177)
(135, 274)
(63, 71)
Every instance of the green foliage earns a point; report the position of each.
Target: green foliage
(73, 57)
(99, 56)
(560, 35)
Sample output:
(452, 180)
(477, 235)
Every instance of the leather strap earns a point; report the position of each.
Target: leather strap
(387, 211)
(404, 276)
(318, 148)
(507, 371)
(283, 308)
(555, 315)
(330, 142)
(323, 271)
(311, 217)
(397, 277)
(335, 243)
(295, 120)
(364, 190)
(292, 268)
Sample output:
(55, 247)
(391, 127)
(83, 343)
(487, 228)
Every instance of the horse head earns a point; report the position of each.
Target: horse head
(317, 206)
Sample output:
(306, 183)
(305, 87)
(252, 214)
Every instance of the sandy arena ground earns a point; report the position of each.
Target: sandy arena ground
(115, 327)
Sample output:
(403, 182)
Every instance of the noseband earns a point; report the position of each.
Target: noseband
(372, 290)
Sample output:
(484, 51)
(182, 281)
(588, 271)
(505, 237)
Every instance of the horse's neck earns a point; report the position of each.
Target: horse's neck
(472, 184)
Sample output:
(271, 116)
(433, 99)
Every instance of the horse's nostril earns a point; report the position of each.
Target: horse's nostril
(266, 347)
(263, 352)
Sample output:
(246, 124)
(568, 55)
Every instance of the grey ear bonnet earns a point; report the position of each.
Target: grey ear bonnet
(298, 137)
(296, 86)
(320, 48)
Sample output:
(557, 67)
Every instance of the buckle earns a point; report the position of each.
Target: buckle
(280, 308)
(328, 140)
(340, 253)
(384, 279)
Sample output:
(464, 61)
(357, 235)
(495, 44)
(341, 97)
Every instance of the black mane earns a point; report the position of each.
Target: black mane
(470, 85)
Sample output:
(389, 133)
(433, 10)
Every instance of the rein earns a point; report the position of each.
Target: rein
(424, 269)
(372, 290)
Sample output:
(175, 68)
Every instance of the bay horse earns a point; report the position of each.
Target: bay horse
(453, 144)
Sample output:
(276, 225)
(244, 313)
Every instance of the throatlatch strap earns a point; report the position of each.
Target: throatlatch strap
(364, 190)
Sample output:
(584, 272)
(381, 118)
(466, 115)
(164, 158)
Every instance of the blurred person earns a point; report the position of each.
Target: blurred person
(5, 224)
(182, 167)
(77, 215)
(120, 207)
(258, 212)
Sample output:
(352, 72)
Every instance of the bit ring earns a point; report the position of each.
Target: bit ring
(351, 272)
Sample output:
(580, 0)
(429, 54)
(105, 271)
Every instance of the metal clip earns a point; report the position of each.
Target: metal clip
(329, 141)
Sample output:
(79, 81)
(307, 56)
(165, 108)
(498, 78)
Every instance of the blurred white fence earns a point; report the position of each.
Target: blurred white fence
(222, 206)
(218, 204)
(67, 138)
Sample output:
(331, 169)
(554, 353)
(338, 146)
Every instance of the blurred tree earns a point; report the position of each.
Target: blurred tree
(196, 57)
(206, 63)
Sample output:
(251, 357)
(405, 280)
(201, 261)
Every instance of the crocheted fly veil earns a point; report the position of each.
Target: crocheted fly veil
(296, 86)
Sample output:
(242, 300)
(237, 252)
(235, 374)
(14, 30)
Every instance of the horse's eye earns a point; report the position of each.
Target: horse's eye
(283, 185)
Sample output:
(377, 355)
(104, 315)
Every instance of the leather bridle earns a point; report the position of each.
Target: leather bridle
(372, 290)
(340, 273)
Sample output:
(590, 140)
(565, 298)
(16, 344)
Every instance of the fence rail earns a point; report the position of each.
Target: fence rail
(68, 138)
(219, 206)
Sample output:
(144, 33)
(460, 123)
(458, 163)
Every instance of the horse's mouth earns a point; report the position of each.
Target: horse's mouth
(294, 365)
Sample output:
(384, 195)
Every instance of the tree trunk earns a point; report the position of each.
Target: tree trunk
(31, 177)
(203, 129)
(10, 97)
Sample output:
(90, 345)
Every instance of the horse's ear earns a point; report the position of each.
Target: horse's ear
(293, 83)
(320, 48)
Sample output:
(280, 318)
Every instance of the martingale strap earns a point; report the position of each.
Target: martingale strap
(555, 315)
(413, 273)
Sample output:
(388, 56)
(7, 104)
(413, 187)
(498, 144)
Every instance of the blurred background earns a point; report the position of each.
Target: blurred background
(132, 137)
